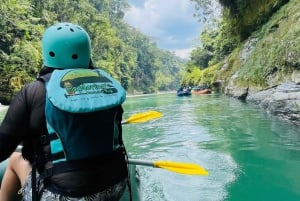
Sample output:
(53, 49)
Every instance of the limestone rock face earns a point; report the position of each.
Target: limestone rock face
(282, 100)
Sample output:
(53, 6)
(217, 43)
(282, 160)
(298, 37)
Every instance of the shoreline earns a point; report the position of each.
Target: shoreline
(151, 94)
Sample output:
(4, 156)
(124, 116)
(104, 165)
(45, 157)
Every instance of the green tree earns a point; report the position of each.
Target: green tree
(125, 53)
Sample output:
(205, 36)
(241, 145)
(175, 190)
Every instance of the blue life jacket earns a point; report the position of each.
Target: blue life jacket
(81, 114)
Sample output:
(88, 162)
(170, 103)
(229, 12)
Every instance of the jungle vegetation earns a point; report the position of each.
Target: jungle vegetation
(129, 56)
(239, 21)
(136, 61)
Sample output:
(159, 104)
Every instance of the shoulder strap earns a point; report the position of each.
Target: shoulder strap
(44, 78)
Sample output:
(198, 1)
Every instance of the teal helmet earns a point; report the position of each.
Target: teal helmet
(66, 45)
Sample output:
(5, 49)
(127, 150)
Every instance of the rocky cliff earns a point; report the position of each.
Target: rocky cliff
(265, 69)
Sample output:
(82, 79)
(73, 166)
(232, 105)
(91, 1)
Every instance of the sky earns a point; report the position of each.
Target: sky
(170, 23)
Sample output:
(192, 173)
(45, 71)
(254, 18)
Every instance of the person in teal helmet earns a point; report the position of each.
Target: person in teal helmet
(64, 46)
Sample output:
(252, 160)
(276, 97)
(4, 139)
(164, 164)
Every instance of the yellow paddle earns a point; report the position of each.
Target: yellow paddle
(142, 117)
(183, 168)
(178, 167)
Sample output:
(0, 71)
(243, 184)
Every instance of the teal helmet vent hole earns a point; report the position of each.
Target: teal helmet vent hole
(74, 56)
(52, 54)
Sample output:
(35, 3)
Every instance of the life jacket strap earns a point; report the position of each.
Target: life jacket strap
(88, 164)
(114, 162)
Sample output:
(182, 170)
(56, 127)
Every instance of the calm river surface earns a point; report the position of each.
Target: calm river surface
(249, 155)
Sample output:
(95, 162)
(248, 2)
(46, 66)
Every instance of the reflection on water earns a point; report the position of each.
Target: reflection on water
(177, 136)
(246, 152)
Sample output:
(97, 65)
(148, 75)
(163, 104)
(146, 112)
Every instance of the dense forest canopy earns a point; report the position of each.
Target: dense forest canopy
(125, 53)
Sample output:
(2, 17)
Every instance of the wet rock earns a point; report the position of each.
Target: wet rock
(282, 100)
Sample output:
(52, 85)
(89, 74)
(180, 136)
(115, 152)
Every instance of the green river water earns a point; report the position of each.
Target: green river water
(250, 156)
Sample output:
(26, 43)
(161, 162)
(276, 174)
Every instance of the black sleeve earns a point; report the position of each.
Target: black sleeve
(14, 125)
(24, 118)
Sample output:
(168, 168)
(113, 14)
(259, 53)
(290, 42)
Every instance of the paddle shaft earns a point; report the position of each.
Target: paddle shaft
(140, 162)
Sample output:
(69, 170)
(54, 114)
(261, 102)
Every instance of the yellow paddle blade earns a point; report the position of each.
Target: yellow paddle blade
(183, 168)
(142, 117)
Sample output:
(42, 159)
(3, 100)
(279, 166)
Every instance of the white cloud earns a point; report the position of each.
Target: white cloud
(184, 53)
(170, 23)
